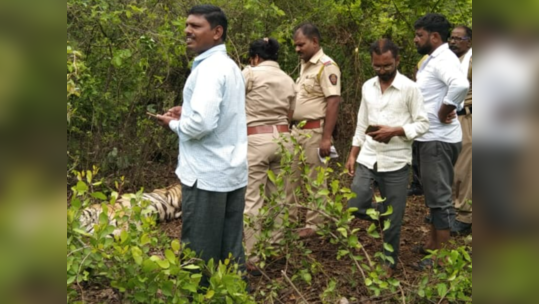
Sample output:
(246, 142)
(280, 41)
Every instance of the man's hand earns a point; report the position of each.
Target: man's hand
(174, 112)
(325, 146)
(165, 119)
(446, 114)
(351, 165)
(385, 133)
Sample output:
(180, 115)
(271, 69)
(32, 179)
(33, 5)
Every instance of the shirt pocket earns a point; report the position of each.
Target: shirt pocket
(310, 86)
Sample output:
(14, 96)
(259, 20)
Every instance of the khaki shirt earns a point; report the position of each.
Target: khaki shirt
(320, 78)
(270, 94)
(468, 99)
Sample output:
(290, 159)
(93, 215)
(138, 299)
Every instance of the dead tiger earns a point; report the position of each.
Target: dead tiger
(165, 203)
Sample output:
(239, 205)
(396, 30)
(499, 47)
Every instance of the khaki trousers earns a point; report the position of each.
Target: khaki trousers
(462, 186)
(310, 142)
(264, 153)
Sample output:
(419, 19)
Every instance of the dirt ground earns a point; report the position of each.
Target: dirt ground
(414, 231)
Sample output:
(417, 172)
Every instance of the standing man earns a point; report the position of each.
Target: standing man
(444, 88)
(212, 129)
(392, 105)
(317, 102)
(460, 43)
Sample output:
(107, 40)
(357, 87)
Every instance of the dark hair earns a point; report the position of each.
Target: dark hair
(467, 29)
(382, 46)
(434, 23)
(309, 30)
(213, 14)
(267, 49)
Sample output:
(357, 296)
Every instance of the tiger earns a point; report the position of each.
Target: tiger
(165, 203)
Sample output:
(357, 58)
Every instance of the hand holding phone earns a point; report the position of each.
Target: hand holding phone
(371, 129)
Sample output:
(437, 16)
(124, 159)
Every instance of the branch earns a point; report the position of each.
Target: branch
(293, 286)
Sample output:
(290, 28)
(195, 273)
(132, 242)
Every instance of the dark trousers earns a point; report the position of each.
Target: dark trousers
(437, 161)
(416, 172)
(213, 223)
(393, 187)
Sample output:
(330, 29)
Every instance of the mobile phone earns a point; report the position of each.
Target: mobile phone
(151, 114)
(371, 129)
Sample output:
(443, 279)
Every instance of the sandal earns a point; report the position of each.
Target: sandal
(425, 264)
(252, 269)
(419, 249)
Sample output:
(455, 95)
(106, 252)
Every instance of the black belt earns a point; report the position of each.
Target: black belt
(465, 111)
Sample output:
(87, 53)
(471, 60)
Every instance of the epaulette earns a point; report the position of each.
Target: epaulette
(326, 60)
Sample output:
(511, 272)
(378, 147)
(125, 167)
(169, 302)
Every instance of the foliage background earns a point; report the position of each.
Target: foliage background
(126, 57)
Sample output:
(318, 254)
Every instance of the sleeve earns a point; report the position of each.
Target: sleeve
(362, 124)
(330, 80)
(293, 94)
(457, 82)
(205, 104)
(420, 121)
(247, 77)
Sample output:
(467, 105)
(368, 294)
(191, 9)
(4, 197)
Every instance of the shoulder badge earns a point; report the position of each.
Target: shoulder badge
(326, 60)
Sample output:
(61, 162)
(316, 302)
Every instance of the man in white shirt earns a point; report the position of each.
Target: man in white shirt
(391, 116)
(212, 129)
(444, 88)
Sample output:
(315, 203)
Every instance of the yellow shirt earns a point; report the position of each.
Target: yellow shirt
(270, 94)
(319, 78)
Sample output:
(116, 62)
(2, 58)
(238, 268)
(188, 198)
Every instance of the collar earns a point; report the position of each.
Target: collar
(467, 54)
(442, 48)
(397, 82)
(221, 48)
(316, 57)
(269, 63)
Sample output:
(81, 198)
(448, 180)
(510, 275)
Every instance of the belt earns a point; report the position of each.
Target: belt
(267, 129)
(465, 111)
(310, 124)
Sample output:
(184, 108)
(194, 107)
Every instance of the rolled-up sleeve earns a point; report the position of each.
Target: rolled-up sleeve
(362, 124)
(457, 82)
(420, 120)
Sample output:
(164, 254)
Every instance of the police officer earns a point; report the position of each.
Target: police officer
(269, 104)
(317, 103)
(460, 43)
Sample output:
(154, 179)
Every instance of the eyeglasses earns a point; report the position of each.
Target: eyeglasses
(459, 38)
(386, 68)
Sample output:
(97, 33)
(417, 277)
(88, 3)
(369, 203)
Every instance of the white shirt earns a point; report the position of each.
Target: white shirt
(401, 105)
(441, 81)
(212, 127)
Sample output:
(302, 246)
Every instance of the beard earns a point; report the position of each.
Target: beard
(387, 76)
(425, 49)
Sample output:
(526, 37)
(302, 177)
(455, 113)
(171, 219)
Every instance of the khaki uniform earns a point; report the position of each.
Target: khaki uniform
(462, 185)
(319, 79)
(270, 94)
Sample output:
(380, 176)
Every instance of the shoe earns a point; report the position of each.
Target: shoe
(425, 264)
(419, 249)
(252, 269)
(460, 228)
(415, 191)
(305, 233)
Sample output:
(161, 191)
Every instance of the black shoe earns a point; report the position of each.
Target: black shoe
(415, 191)
(460, 228)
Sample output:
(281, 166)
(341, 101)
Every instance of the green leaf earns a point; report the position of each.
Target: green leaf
(167, 288)
(124, 236)
(175, 244)
(145, 239)
(99, 195)
(368, 282)
(389, 211)
(170, 256)
(81, 187)
(379, 199)
(343, 231)
(191, 267)
(442, 289)
(271, 176)
(387, 224)
(165, 264)
(375, 215)
(388, 247)
(210, 294)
